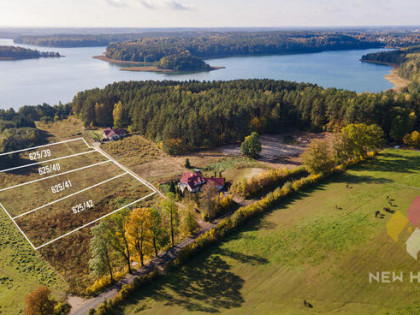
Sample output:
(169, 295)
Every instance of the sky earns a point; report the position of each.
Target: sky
(207, 13)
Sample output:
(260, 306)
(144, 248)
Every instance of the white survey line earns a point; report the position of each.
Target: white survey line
(40, 162)
(87, 143)
(67, 172)
(17, 226)
(109, 159)
(71, 195)
(41, 146)
(126, 169)
(87, 224)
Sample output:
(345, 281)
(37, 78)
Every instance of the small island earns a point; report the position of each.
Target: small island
(18, 53)
(168, 64)
(176, 63)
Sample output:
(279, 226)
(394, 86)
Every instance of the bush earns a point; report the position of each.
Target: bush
(412, 139)
(268, 181)
(251, 146)
(101, 284)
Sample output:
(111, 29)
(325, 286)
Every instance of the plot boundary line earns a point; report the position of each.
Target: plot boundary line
(71, 195)
(8, 214)
(109, 159)
(46, 161)
(87, 224)
(126, 169)
(40, 146)
(55, 175)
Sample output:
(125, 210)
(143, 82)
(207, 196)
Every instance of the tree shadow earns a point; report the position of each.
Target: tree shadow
(205, 284)
(391, 162)
(241, 257)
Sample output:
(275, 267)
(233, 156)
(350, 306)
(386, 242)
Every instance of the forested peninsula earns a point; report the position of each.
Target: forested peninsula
(15, 53)
(406, 60)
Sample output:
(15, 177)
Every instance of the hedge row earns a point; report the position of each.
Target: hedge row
(267, 181)
(125, 292)
(229, 224)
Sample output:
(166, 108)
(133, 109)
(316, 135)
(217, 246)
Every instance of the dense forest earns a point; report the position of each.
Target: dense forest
(182, 62)
(71, 40)
(191, 115)
(18, 130)
(12, 52)
(152, 49)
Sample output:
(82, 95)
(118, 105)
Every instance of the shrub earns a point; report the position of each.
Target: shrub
(267, 181)
(412, 139)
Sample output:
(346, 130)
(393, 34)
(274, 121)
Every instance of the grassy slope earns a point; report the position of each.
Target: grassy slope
(304, 249)
(21, 269)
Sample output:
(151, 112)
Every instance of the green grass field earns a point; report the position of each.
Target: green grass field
(318, 246)
(21, 270)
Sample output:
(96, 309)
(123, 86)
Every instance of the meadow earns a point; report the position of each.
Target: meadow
(22, 270)
(318, 246)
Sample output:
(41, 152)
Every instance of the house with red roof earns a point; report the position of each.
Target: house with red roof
(193, 181)
(114, 134)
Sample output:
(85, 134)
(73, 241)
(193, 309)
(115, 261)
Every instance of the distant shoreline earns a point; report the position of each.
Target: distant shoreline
(398, 82)
(25, 58)
(122, 62)
(145, 66)
(393, 77)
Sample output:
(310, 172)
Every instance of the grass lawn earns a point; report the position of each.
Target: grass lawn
(319, 246)
(21, 270)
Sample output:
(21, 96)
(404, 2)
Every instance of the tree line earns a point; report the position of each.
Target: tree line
(185, 116)
(13, 52)
(18, 129)
(209, 45)
(136, 235)
(386, 37)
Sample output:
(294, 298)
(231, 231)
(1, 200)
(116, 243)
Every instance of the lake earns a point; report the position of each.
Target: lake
(36, 81)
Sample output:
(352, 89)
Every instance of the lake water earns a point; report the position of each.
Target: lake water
(35, 81)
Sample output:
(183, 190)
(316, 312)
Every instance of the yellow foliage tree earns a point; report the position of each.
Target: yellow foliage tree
(139, 233)
(117, 113)
(412, 139)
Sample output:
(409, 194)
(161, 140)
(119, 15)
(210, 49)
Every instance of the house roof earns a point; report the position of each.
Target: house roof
(218, 182)
(192, 179)
(109, 132)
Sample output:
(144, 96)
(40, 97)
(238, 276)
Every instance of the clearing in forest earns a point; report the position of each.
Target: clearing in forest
(54, 190)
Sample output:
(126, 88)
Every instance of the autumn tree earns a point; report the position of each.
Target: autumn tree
(118, 115)
(118, 237)
(317, 157)
(207, 200)
(158, 231)
(361, 138)
(102, 253)
(171, 211)
(39, 302)
(189, 222)
(251, 146)
(412, 139)
(138, 232)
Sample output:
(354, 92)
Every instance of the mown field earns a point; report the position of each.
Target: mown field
(318, 246)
